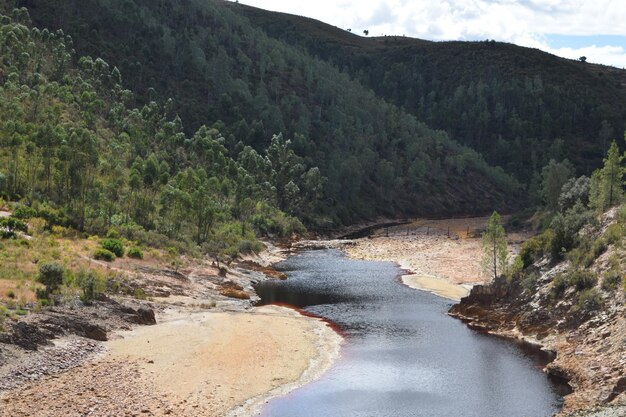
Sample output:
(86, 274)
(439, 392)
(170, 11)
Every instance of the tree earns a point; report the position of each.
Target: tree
(494, 247)
(51, 275)
(606, 183)
(554, 176)
(366, 32)
(583, 59)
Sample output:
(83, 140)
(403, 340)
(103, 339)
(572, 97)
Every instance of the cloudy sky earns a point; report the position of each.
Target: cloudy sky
(569, 28)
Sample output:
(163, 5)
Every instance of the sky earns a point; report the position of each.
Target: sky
(595, 29)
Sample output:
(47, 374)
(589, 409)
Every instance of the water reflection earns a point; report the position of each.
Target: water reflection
(404, 356)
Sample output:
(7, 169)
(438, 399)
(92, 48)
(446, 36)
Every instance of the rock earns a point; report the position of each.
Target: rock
(619, 388)
(95, 332)
(28, 336)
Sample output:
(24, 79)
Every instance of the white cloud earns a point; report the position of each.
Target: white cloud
(523, 22)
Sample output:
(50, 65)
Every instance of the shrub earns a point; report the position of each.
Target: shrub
(114, 245)
(90, 284)
(50, 275)
(104, 255)
(249, 246)
(529, 282)
(611, 280)
(24, 212)
(534, 248)
(590, 300)
(583, 280)
(614, 234)
(113, 233)
(139, 294)
(10, 225)
(566, 226)
(559, 284)
(135, 253)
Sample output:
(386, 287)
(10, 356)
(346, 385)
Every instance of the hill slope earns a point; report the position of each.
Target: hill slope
(378, 159)
(508, 102)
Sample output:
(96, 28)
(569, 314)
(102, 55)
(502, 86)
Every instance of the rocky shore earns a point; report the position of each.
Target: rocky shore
(195, 345)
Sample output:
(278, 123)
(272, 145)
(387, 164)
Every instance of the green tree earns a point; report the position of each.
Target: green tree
(554, 176)
(494, 247)
(606, 182)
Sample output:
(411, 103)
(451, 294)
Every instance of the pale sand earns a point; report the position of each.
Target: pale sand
(210, 364)
(435, 285)
(230, 363)
(444, 265)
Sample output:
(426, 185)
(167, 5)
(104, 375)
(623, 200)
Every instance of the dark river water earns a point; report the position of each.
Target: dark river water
(403, 355)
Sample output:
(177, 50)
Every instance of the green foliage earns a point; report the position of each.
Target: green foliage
(51, 275)
(573, 191)
(506, 101)
(582, 279)
(114, 245)
(559, 284)
(87, 160)
(607, 187)
(10, 225)
(587, 251)
(102, 254)
(554, 176)
(529, 282)
(590, 300)
(494, 247)
(135, 253)
(566, 226)
(91, 285)
(536, 247)
(377, 158)
(24, 212)
(611, 280)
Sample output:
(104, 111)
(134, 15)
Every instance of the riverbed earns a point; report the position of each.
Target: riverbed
(403, 355)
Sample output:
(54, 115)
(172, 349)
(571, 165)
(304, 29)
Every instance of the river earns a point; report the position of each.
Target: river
(403, 355)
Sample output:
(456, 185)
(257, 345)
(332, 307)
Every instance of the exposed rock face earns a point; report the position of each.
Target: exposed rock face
(92, 322)
(590, 346)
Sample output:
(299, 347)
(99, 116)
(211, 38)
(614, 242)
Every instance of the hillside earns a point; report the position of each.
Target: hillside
(509, 103)
(378, 160)
(79, 157)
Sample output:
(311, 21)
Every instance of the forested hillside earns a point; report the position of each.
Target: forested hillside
(518, 107)
(378, 159)
(77, 154)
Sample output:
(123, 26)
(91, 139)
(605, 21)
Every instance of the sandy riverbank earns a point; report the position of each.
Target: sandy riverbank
(442, 256)
(203, 363)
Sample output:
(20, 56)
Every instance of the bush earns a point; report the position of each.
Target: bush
(102, 254)
(611, 280)
(90, 284)
(614, 234)
(10, 225)
(50, 275)
(114, 245)
(534, 248)
(135, 253)
(566, 226)
(590, 300)
(529, 282)
(24, 212)
(559, 284)
(249, 246)
(583, 280)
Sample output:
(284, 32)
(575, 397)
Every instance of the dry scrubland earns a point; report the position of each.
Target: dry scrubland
(209, 354)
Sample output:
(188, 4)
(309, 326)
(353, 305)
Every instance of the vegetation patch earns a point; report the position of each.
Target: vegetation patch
(102, 254)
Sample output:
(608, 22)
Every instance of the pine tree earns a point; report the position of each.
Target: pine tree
(494, 247)
(606, 183)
